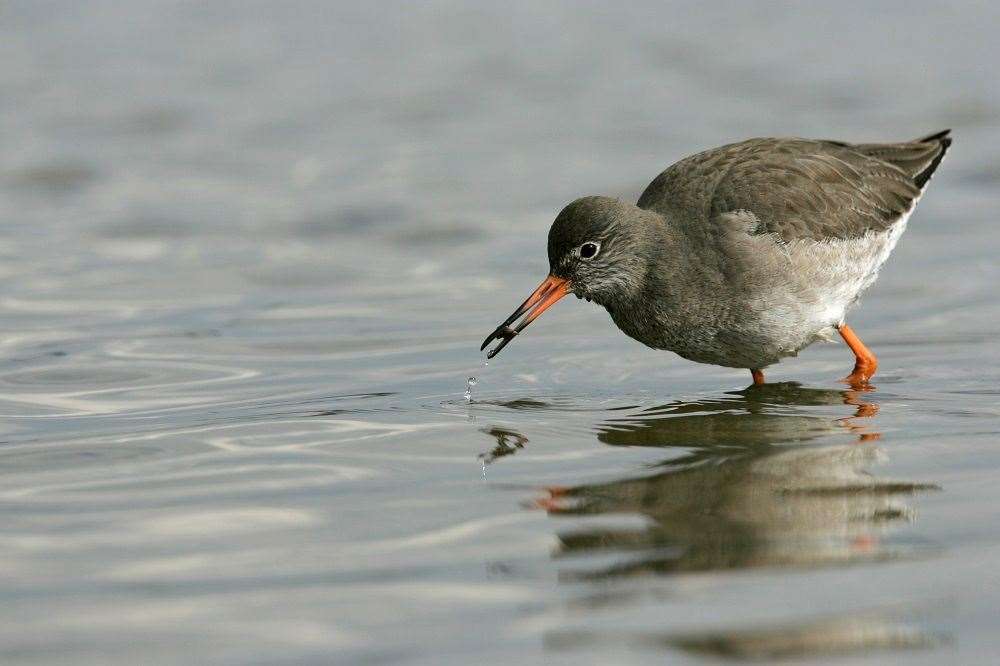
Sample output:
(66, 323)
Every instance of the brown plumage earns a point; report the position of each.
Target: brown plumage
(798, 188)
(743, 254)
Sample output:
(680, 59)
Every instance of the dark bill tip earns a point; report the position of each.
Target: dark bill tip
(548, 292)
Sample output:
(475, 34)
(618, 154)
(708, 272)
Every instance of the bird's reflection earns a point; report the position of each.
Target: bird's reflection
(508, 442)
(829, 636)
(747, 420)
(763, 480)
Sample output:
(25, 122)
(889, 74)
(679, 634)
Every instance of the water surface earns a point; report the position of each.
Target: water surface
(249, 251)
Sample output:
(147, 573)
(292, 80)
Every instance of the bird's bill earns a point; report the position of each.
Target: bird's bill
(548, 292)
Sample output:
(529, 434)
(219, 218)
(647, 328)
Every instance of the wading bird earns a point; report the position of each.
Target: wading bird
(740, 255)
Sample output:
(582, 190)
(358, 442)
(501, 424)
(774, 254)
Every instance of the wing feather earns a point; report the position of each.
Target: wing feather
(798, 188)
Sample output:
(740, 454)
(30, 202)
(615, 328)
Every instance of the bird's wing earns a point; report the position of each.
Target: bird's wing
(799, 189)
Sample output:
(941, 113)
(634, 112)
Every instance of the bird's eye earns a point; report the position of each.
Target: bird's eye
(589, 250)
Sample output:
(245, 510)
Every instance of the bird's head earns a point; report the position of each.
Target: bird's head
(598, 245)
(599, 249)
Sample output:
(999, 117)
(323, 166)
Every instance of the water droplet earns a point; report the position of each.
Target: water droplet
(472, 381)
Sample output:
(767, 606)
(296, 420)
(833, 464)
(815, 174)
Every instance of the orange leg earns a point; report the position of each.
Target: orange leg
(865, 363)
(758, 376)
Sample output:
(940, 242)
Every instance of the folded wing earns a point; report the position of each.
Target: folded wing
(800, 189)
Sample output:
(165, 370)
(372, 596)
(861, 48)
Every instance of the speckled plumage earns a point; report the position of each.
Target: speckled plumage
(744, 254)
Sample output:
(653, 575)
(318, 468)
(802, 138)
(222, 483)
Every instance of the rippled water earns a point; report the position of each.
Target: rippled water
(250, 249)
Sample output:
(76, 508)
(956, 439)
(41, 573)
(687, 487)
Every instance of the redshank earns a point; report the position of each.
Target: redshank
(740, 255)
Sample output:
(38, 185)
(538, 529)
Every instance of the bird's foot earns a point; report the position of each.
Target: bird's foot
(860, 376)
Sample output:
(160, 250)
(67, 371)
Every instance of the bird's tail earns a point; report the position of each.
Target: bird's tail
(918, 158)
(940, 141)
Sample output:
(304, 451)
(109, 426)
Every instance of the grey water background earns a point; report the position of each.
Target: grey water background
(248, 252)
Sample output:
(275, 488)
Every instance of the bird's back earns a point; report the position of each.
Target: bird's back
(800, 188)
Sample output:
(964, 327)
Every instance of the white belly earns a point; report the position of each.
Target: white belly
(841, 270)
